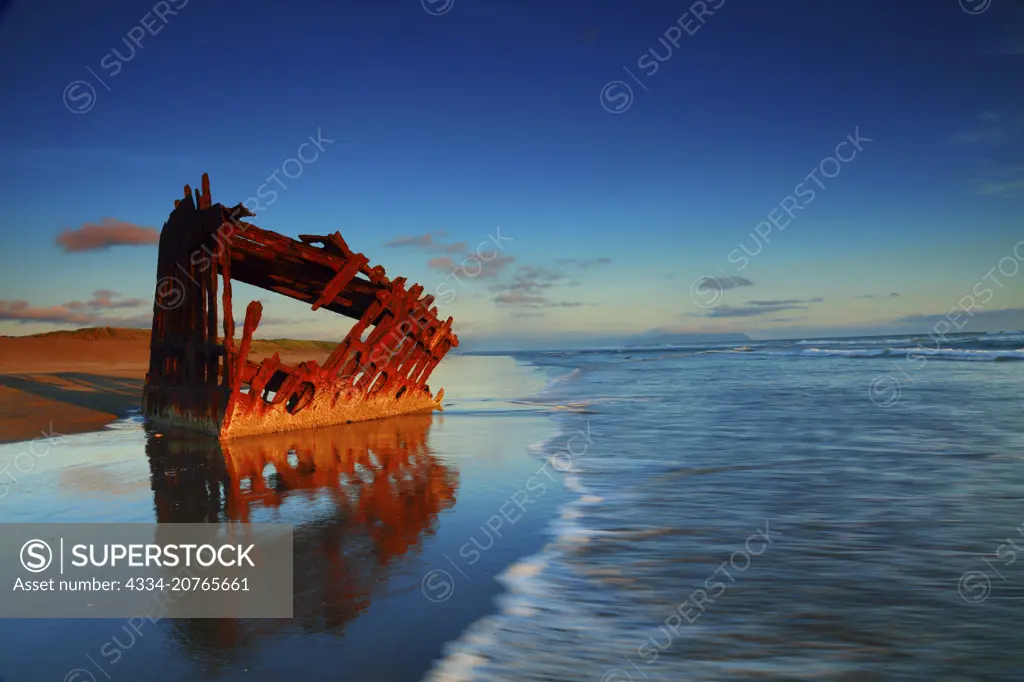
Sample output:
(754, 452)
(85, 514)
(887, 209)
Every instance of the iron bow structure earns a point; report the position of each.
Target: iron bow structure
(202, 380)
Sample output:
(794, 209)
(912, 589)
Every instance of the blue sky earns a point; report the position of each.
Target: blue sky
(457, 118)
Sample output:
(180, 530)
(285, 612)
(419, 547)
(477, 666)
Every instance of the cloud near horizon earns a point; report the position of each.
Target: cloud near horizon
(104, 299)
(90, 313)
(785, 301)
(756, 308)
(105, 234)
(1001, 318)
(528, 286)
(708, 283)
(79, 312)
(530, 279)
(524, 300)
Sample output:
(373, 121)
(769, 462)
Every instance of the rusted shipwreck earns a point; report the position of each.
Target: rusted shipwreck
(200, 380)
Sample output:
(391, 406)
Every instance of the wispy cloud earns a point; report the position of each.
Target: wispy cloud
(443, 263)
(1006, 182)
(540, 273)
(998, 140)
(784, 301)
(457, 260)
(757, 308)
(95, 313)
(891, 294)
(105, 234)
(22, 312)
(530, 285)
(427, 243)
(496, 266)
(990, 127)
(104, 299)
(530, 279)
(521, 299)
(585, 263)
(1002, 318)
(79, 312)
(476, 269)
(718, 284)
(745, 310)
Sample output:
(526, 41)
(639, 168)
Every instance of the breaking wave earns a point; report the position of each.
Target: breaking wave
(690, 457)
(966, 354)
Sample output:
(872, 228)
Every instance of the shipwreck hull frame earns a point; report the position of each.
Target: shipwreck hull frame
(206, 382)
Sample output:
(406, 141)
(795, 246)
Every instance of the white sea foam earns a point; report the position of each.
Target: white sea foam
(528, 592)
(849, 353)
(574, 484)
(962, 354)
(951, 354)
(529, 588)
(849, 342)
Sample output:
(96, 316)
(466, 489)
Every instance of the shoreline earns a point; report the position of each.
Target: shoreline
(482, 444)
(523, 581)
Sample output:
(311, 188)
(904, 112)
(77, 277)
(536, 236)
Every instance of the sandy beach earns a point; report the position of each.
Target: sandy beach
(381, 561)
(79, 381)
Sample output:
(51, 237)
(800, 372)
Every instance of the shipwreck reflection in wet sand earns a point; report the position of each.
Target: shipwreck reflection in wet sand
(365, 495)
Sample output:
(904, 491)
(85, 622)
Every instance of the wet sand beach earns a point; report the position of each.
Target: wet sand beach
(393, 553)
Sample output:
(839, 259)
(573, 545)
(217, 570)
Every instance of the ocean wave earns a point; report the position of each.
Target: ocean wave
(737, 349)
(641, 532)
(962, 354)
(531, 584)
(849, 342)
(949, 354)
(556, 385)
(845, 353)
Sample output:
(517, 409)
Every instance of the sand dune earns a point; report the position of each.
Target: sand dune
(75, 381)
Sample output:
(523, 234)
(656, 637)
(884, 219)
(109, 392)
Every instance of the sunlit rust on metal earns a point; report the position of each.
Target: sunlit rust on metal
(201, 381)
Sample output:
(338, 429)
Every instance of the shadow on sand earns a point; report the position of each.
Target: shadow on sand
(114, 395)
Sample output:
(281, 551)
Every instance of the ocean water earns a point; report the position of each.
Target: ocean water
(815, 509)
